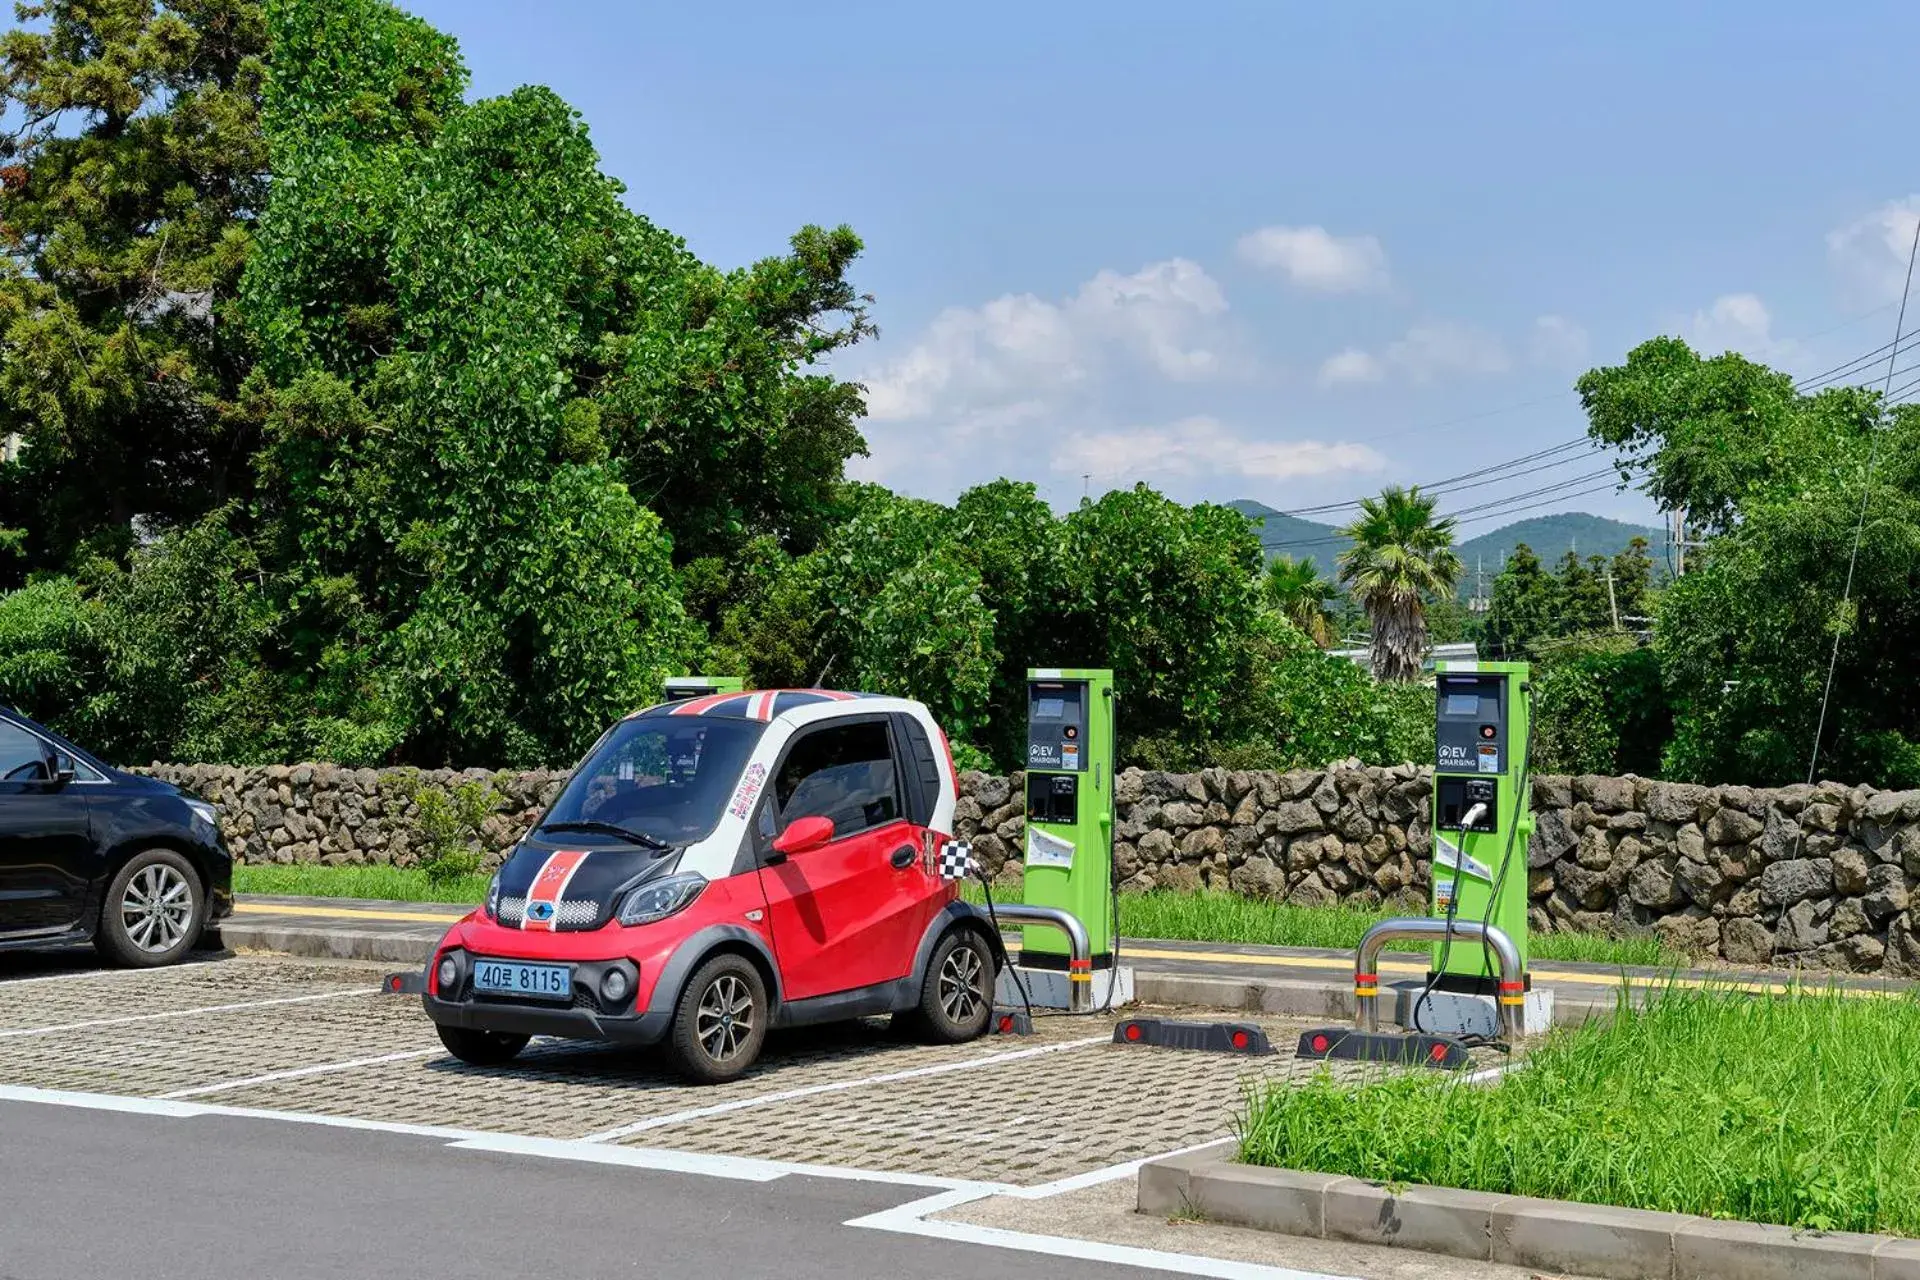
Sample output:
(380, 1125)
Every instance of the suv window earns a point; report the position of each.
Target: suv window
(843, 772)
(23, 757)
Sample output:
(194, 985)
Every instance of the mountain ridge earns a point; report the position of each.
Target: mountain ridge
(1549, 536)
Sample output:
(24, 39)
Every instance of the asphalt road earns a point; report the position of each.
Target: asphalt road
(90, 1193)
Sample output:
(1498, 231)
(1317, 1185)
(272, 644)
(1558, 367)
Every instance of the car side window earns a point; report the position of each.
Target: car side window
(23, 757)
(843, 772)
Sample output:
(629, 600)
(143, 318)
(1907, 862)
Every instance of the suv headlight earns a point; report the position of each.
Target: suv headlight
(493, 897)
(205, 812)
(660, 899)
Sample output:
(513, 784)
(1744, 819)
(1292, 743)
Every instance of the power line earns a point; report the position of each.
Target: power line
(1532, 498)
(1440, 486)
(1860, 525)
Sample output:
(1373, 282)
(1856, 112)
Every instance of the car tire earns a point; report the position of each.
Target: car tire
(708, 1043)
(479, 1048)
(152, 912)
(956, 994)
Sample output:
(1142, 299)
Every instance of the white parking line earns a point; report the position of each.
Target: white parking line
(912, 1219)
(187, 1013)
(300, 1073)
(836, 1086)
(1112, 1173)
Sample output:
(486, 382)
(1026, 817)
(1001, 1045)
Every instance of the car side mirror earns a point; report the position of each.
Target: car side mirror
(62, 765)
(803, 835)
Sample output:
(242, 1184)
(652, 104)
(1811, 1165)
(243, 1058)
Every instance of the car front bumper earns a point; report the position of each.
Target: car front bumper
(537, 1020)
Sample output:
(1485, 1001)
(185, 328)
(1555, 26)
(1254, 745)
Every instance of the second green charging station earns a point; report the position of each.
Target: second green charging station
(1482, 815)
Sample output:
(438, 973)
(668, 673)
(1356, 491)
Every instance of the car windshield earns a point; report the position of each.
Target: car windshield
(665, 777)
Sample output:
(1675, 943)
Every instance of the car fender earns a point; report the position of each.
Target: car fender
(697, 947)
(955, 913)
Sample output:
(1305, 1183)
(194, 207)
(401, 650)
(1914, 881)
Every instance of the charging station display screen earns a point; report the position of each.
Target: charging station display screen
(1472, 724)
(1463, 704)
(1056, 725)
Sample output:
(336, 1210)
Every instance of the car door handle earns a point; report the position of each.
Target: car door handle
(773, 859)
(902, 857)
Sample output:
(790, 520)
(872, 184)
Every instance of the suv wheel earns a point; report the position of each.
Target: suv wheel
(153, 911)
(481, 1048)
(956, 996)
(720, 1022)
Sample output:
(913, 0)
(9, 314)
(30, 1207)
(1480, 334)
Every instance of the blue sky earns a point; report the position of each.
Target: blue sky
(1263, 250)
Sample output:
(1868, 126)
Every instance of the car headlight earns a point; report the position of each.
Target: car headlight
(205, 812)
(493, 897)
(660, 899)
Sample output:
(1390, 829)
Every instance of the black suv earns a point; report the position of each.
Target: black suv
(88, 851)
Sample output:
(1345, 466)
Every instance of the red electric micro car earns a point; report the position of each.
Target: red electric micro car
(720, 866)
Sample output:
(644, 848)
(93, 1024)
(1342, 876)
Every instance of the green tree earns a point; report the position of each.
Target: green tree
(130, 169)
(1632, 571)
(1524, 607)
(1401, 557)
(1581, 596)
(1297, 589)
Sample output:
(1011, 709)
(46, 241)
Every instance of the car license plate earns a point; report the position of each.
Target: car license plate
(512, 978)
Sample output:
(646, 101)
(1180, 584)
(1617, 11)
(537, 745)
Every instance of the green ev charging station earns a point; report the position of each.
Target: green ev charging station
(1069, 841)
(680, 688)
(1477, 989)
(1482, 815)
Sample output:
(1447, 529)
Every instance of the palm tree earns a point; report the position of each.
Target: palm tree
(1400, 556)
(1301, 594)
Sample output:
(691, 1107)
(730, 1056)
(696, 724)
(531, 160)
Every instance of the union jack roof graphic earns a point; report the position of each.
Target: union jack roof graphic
(758, 704)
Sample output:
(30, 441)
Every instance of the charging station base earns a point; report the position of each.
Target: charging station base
(1049, 988)
(1454, 1013)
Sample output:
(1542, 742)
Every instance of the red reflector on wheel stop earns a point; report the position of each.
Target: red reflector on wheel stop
(1239, 1039)
(1320, 1044)
(1438, 1053)
(1133, 1031)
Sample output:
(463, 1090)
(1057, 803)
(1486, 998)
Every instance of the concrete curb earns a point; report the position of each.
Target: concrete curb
(1551, 1235)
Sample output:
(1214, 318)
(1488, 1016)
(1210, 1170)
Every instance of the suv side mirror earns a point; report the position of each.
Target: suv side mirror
(803, 835)
(62, 767)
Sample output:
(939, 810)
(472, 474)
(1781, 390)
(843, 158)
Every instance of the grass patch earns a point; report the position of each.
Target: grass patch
(1230, 917)
(1801, 1110)
(1182, 917)
(395, 884)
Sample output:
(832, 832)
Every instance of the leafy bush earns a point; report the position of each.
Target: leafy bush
(446, 829)
(1599, 707)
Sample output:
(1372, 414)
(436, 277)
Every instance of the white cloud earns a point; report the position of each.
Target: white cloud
(1314, 258)
(1871, 251)
(1429, 352)
(976, 367)
(1558, 343)
(1740, 322)
(1351, 365)
(1200, 447)
(1444, 347)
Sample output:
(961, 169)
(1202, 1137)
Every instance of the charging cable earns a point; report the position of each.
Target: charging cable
(1472, 816)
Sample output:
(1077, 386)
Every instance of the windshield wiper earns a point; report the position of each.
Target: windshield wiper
(607, 828)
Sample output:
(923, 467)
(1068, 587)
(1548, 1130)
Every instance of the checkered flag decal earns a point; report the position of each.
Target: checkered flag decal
(956, 861)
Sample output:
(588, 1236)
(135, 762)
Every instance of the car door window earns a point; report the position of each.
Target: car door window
(843, 772)
(23, 757)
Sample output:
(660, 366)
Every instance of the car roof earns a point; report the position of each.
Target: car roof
(763, 705)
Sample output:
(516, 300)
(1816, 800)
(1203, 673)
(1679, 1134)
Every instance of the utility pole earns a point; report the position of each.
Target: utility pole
(1612, 604)
(1679, 541)
(1086, 483)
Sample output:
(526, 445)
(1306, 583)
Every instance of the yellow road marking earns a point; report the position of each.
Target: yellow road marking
(351, 913)
(1546, 976)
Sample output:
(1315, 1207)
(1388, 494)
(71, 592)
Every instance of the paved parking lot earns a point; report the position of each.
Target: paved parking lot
(316, 1038)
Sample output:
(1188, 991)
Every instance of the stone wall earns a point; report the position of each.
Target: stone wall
(1818, 876)
(344, 817)
(1815, 876)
